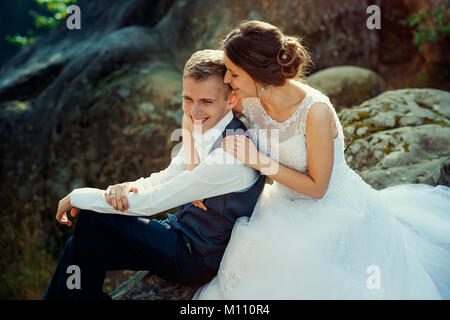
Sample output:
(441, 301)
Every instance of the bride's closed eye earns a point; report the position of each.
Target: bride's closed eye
(232, 74)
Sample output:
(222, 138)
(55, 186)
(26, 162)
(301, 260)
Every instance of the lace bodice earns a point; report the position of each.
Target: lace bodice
(286, 141)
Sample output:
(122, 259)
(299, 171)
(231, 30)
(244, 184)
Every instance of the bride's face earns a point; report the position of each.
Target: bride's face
(242, 83)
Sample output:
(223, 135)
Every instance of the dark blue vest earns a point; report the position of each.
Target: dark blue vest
(209, 232)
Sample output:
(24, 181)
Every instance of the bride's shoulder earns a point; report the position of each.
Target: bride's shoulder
(316, 111)
(314, 97)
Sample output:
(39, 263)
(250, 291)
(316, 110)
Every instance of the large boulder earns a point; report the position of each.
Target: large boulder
(400, 136)
(347, 86)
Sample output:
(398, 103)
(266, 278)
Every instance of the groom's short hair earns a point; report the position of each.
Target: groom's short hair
(206, 63)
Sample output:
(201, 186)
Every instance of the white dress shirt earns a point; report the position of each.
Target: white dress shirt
(218, 173)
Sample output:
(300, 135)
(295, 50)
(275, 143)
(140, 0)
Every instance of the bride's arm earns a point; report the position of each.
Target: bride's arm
(191, 156)
(320, 150)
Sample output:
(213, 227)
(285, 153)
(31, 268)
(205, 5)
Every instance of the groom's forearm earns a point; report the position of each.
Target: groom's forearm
(94, 199)
(217, 175)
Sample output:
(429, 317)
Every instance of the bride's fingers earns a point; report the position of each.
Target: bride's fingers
(227, 147)
(233, 147)
(200, 204)
(229, 144)
(119, 200)
(107, 198)
(229, 140)
(113, 200)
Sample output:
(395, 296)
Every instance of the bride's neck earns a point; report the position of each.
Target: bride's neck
(278, 99)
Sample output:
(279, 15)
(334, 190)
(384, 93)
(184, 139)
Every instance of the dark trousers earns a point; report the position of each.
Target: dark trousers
(103, 242)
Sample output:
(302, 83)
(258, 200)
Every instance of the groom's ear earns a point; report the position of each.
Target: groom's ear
(232, 100)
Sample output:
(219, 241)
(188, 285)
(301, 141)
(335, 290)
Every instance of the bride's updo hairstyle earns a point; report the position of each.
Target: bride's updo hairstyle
(267, 55)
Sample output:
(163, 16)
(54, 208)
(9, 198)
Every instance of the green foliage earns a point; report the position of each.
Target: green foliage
(26, 265)
(430, 26)
(57, 9)
(20, 41)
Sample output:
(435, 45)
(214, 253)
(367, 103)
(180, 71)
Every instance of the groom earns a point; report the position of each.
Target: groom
(188, 246)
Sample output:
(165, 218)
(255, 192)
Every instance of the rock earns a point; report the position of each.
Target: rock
(144, 286)
(347, 86)
(406, 138)
(333, 31)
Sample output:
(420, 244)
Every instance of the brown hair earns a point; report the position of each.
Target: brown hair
(204, 64)
(207, 63)
(267, 55)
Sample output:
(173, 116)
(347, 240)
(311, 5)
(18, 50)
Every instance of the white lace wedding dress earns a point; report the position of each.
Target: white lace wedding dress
(354, 243)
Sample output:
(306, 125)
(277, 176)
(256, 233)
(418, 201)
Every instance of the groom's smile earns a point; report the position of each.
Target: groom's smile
(198, 121)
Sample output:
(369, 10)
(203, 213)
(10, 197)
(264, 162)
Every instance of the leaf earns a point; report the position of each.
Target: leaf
(432, 36)
(418, 37)
(413, 20)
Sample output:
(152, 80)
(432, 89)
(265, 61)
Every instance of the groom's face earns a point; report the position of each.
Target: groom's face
(205, 102)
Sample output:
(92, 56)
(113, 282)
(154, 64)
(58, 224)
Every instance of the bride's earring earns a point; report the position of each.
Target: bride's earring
(263, 89)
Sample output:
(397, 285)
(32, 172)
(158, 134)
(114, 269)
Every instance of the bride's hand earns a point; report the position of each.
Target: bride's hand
(243, 149)
(199, 204)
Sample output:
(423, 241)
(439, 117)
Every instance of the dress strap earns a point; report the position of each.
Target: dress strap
(305, 110)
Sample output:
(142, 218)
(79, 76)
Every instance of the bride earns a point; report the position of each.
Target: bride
(319, 231)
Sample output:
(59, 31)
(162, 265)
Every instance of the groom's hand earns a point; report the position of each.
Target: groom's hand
(64, 205)
(116, 196)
